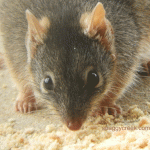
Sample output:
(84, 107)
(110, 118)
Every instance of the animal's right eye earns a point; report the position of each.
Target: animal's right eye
(48, 83)
(92, 79)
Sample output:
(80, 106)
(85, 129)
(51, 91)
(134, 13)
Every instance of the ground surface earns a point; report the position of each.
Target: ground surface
(42, 119)
(27, 131)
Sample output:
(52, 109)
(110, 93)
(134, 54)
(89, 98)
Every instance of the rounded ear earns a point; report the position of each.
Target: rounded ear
(96, 25)
(37, 30)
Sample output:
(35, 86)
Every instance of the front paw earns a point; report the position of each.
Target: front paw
(25, 103)
(112, 109)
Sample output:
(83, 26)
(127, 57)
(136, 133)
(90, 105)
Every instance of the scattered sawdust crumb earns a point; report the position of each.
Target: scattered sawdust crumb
(143, 143)
(11, 120)
(104, 133)
(50, 128)
(148, 104)
(131, 137)
(29, 130)
(143, 121)
(4, 86)
(134, 112)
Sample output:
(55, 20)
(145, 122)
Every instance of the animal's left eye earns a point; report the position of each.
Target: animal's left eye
(48, 83)
(92, 79)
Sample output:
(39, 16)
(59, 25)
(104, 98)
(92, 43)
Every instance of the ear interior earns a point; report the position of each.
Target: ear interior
(98, 20)
(96, 25)
(37, 28)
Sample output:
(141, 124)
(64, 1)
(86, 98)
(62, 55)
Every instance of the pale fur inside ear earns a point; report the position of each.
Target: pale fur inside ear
(37, 28)
(97, 19)
(34, 27)
(91, 22)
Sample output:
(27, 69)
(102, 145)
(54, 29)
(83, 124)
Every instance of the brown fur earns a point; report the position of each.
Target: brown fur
(67, 48)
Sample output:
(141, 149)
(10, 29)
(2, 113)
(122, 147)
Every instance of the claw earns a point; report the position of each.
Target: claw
(25, 103)
(111, 110)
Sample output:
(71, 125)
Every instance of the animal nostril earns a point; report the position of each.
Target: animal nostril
(74, 125)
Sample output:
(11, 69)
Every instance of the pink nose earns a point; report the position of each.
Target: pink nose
(74, 125)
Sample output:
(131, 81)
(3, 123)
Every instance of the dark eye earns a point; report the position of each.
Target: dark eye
(93, 79)
(48, 83)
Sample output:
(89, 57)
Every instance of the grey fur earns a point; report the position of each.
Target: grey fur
(67, 52)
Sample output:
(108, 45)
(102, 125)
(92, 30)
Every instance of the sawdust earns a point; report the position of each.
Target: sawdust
(106, 132)
(43, 131)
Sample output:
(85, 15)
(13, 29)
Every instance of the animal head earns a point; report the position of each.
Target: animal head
(71, 61)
